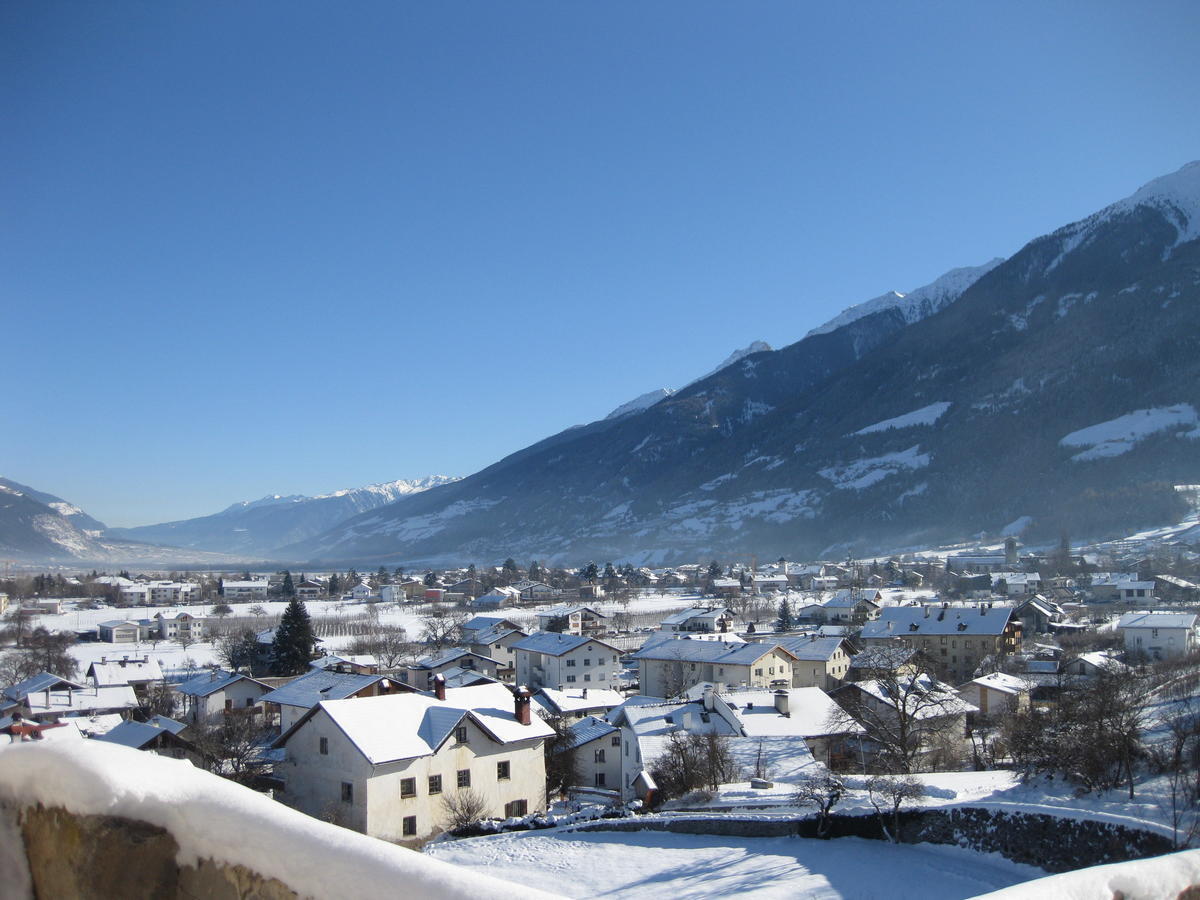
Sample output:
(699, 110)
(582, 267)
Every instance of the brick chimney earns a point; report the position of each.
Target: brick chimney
(521, 705)
(439, 686)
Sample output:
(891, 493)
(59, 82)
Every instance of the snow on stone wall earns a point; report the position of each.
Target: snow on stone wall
(213, 819)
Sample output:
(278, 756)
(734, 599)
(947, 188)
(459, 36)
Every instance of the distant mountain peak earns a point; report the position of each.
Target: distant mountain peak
(648, 399)
(917, 304)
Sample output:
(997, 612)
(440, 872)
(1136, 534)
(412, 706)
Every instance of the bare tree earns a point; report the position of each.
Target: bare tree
(158, 700)
(823, 792)
(562, 764)
(235, 748)
(905, 715)
(389, 646)
(441, 627)
(692, 762)
(462, 808)
(237, 649)
(1177, 757)
(221, 610)
(889, 794)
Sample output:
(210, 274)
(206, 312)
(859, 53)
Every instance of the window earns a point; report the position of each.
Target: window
(464, 778)
(570, 678)
(460, 734)
(587, 660)
(435, 784)
(570, 663)
(249, 701)
(758, 671)
(347, 792)
(599, 779)
(324, 746)
(600, 755)
(228, 703)
(616, 740)
(503, 771)
(408, 787)
(409, 826)
(516, 808)
(587, 676)
(720, 670)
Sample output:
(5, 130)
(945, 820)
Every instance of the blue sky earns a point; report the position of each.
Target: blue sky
(266, 247)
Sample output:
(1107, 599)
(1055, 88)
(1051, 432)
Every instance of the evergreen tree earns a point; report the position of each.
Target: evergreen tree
(535, 571)
(335, 586)
(784, 622)
(590, 573)
(430, 579)
(352, 578)
(293, 646)
(288, 589)
(381, 577)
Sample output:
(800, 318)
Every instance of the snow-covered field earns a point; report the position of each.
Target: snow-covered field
(656, 864)
(173, 658)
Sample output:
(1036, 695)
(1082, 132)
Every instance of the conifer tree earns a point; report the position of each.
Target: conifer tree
(785, 622)
(288, 589)
(293, 646)
(335, 585)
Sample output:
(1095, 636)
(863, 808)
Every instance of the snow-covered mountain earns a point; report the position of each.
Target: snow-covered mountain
(917, 304)
(1055, 389)
(255, 528)
(648, 399)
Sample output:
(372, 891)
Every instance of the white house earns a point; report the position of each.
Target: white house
(549, 659)
(421, 673)
(596, 745)
(208, 698)
(576, 619)
(820, 661)
(244, 591)
(382, 765)
(1158, 635)
(290, 701)
(577, 703)
(702, 619)
(668, 668)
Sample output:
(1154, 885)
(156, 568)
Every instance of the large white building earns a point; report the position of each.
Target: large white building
(548, 659)
(384, 765)
(1158, 635)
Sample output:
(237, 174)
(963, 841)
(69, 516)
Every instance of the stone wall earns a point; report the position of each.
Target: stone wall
(1051, 843)
(78, 857)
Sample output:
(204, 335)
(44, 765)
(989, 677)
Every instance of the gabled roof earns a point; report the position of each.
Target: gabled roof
(999, 681)
(457, 677)
(134, 734)
(405, 726)
(575, 699)
(696, 612)
(485, 623)
(40, 682)
(447, 657)
(584, 731)
(707, 651)
(901, 621)
(309, 690)
(493, 635)
(813, 649)
(132, 670)
(569, 610)
(211, 682)
(554, 644)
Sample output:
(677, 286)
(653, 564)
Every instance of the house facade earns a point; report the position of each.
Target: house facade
(669, 668)
(548, 659)
(956, 639)
(384, 765)
(1158, 635)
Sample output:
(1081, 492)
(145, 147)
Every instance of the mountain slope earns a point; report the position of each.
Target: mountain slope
(257, 527)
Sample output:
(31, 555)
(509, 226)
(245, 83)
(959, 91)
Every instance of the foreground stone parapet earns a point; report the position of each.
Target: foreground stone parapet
(87, 819)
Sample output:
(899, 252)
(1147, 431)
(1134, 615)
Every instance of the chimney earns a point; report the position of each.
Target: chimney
(782, 702)
(439, 686)
(927, 612)
(710, 698)
(982, 610)
(521, 705)
(584, 695)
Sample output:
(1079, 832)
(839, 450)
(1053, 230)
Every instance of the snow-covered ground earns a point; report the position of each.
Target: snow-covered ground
(657, 864)
(174, 658)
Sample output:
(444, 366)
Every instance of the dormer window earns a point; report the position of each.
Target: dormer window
(460, 734)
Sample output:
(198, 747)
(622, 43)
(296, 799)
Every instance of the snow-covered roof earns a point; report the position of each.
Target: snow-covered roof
(882, 658)
(1157, 620)
(125, 671)
(406, 726)
(810, 714)
(742, 654)
(696, 612)
(937, 698)
(585, 730)
(655, 638)
(495, 634)
(447, 657)
(901, 621)
(554, 644)
(133, 734)
(81, 701)
(458, 676)
(40, 682)
(484, 623)
(576, 699)
(568, 610)
(309, 690)
(999, 681)
(211, 682)
(817, 649)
